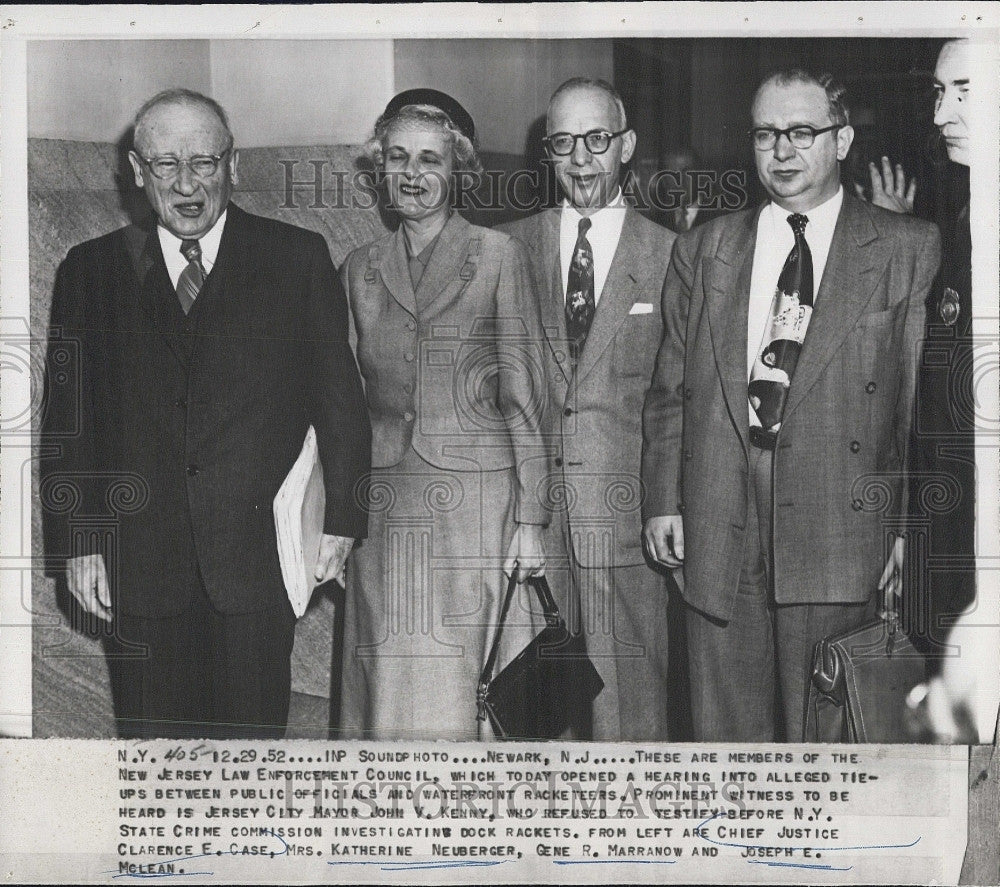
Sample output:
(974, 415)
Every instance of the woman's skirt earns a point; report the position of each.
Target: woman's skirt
(424, 593)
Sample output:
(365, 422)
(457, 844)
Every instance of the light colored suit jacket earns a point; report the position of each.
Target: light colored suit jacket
(454, 369)
(839, 466)
(596, 412)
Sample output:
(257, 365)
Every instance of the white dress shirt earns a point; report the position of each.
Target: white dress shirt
(174, 258)
(775, 240)
(603, 236)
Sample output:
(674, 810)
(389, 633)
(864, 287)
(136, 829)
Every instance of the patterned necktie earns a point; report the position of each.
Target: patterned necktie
(192, 277)
(580, 301)
(791, 309)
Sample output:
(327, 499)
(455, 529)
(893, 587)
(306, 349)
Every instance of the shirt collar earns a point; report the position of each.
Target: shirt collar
(607, 220)
(822, 218)
(616, 203)
(209, 242)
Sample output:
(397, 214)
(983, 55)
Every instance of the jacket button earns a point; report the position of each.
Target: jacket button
(855, 446)
(680, 508)
(688, 455)
(857, 504)
(192, 470)
(687, 394)
(568, 411)
(870, 387)
(410, 325)
(558, 461)
(408, 387)
(408, 417)
(408, 357)
(181, 402)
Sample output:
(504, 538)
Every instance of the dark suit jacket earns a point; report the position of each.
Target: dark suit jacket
(179, 429)
(455, 368)
(839, 467)
(596, 412)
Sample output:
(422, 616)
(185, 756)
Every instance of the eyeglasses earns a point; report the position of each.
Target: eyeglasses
(204, 166)
(802, 136)
(597, 141)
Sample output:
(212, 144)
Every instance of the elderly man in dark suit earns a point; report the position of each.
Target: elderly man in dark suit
(208, 343)
(598, 267)
(776, 427)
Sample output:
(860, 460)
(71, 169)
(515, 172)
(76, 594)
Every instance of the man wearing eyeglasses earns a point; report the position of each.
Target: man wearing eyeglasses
(209, 341)
(598, 267)
(776, 427)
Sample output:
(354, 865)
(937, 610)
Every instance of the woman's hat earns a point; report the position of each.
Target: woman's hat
(440, 100)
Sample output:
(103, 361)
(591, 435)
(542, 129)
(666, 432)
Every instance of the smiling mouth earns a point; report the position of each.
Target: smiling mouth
(411, 190)
(190, 209)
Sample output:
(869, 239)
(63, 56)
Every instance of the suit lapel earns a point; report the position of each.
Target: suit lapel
(154, 292)
(442, 273)
(853, 268)
(727, 288)
(618, 295)
(550, 282)
(395, 272)
(236, 274)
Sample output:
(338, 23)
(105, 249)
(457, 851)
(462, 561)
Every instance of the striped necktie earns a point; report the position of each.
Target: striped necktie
(192, 278)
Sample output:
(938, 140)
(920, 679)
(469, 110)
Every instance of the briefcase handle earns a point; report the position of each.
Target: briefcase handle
(550, 609)
(826, 666)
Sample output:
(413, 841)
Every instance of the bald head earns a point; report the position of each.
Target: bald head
(594, 87)
(153, 109)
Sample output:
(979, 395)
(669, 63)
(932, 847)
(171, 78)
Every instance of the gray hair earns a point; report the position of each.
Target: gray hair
(465, 158)
(836, 92)
(591, 83)
(178, 96)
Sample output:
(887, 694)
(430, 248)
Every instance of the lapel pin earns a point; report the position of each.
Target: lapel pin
(949, 307)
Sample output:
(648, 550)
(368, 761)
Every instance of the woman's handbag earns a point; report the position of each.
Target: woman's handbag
(546, 687)
(860, 681)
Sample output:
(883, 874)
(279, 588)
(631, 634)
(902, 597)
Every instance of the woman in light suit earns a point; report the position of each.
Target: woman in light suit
(448, 337)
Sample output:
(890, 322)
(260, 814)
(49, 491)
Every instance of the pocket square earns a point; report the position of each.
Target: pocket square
(641, 308)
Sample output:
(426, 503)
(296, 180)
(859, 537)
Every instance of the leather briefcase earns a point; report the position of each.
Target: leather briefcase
(860, 681)
(544, 689)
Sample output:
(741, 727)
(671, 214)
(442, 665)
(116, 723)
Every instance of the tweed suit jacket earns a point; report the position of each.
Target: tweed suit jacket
(839, 482)
(596, 408)
(455, 368)
(177, 430)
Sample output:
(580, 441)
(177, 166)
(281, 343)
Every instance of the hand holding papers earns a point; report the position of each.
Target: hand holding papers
(298, 519)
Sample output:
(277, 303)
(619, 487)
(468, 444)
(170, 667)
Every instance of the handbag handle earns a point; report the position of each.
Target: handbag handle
(551, 611)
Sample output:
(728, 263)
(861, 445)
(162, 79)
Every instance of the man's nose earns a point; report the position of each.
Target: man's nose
(580, 155)
(186, 182)
(944, 113)
(783, 147)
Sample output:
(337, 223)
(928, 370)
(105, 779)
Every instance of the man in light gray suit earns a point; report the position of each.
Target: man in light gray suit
(776, 427)
(598, 268)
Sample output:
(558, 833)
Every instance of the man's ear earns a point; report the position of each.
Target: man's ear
(234, 158)
(133, 158)
(628, 145)
(845, 138)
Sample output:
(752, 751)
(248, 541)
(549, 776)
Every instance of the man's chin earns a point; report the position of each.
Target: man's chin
(591, 200)
(188, 228)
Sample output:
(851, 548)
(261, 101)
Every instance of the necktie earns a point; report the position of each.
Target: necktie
(580, 301)
(192, 277)
(791, 309)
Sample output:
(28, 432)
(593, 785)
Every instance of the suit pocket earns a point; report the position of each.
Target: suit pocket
(636, 345)
(875, 320)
